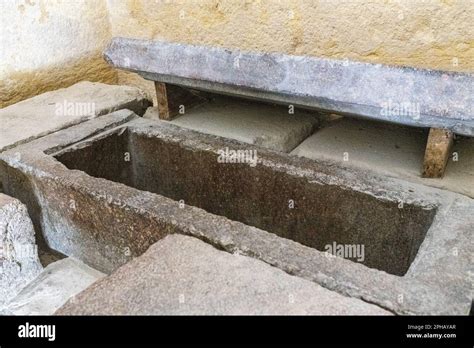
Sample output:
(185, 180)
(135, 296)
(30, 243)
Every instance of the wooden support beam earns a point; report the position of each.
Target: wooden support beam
(173, 100)
(162, 101)
(437, 153)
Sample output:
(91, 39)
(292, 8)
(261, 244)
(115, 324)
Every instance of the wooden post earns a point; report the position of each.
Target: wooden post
(173, 100)
(162, 101)
(437, 153)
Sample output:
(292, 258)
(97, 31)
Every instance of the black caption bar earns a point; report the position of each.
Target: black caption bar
(137, 330)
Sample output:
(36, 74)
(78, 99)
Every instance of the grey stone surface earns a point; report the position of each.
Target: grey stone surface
(110, 222)
(391, 150)
(58, 282)
(269, 126)
(183, 275)
(51, 111)
(19, 262)
(418, 97)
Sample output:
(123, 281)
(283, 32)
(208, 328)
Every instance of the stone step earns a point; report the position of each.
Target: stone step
(19, 262)
(271, 126)
(182, 275)
(58, 282)
(51, 111)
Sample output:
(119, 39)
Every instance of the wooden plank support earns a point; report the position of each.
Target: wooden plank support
(437, 153)
(173, 100)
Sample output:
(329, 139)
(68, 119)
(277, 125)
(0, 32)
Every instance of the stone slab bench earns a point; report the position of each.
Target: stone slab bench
(443, 101)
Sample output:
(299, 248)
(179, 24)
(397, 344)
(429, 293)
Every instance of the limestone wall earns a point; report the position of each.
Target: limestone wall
(422, 33)
(46, 44)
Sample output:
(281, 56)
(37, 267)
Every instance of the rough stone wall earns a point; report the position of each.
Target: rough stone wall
(50, 44)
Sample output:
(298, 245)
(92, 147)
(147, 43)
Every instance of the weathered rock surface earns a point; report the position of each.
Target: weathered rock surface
(183, 275)
(55, 110)
(19, 262)
(269, 126)
(391, 150)
(418, 97)
(52, 288)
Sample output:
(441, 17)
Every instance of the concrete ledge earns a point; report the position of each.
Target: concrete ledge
(181, 275)
(51, 111)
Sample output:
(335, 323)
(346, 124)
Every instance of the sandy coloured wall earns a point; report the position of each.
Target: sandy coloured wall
(423, 33)
(45, 45)
(63, 39)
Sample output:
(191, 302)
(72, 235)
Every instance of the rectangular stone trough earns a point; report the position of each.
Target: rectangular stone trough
(105, 190)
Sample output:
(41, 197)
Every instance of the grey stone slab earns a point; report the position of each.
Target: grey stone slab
(417, 97)
(58, 282)
(391, 150)
(268, 126)
(183, 275)
(19, 262)
(51, 111)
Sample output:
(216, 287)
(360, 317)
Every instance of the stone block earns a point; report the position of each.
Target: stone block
(19, 262)
(51, 111)
(182, 275)
(269, 126)
(58, 282)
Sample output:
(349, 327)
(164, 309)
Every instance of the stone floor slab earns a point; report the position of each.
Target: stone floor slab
(52, 288)
(55, 110)
(270, 126)
(391, 150)
(183, 275)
